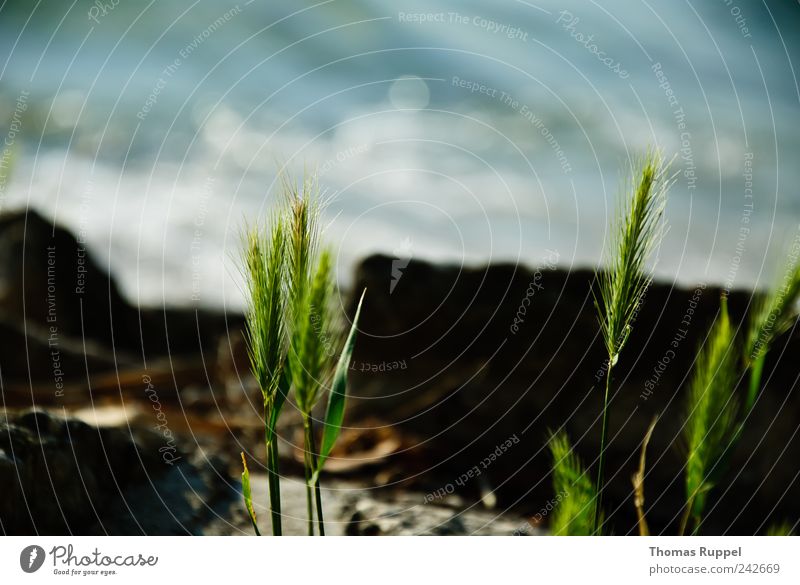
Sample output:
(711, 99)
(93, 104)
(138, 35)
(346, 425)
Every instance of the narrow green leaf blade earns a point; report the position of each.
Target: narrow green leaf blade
(248, 497)
(338, 396)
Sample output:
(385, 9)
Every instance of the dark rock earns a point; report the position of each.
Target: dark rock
(48, 279)
(62, 476)
(55, 296)
(27, 351)
(438, 358)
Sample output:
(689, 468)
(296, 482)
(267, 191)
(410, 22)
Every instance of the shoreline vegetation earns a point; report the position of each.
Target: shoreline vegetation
(725, 375)
(681, 435)
(292, 325)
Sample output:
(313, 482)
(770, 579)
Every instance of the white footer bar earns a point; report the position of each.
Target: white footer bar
(369, 560)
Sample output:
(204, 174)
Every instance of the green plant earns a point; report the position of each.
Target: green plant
(711, 415)
(316, 336)
(248, 496)
(293, 331)
(715, 414)
(782, 529)
(716, 422)
(638, 481)
(311, 320)
(334, 414)
(622, 285)
(575, 513)
(774, 314)
(265, 332)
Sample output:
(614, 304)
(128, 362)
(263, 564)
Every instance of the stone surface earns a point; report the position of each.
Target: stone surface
(50, 285)
(352, 509)
(62, 476)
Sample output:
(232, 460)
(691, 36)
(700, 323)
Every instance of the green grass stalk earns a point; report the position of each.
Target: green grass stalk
(316, 328)
(264, 267)
(624, 281)
(575, 514)
(293, 332)
(713, 430)
(774, 314)
(309, 470)
(711, 415)
(315, 478)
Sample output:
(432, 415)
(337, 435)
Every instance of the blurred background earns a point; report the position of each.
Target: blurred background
(466, 150)
(461, 131)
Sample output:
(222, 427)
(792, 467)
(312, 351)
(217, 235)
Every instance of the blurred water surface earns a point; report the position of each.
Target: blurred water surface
(462, 131)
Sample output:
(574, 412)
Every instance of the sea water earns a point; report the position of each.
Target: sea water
(462, 131)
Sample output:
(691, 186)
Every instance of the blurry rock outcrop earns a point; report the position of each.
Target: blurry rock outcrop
(457, 377)
(477, 364)
(62, 476)
(55, 296)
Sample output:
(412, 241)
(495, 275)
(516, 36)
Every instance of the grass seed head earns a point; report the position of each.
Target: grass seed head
(264, 263)
(635, 233)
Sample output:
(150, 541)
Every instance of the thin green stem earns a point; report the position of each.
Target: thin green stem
(309, 471)
(273, 480)
(602, 462)
(309, 506)
(320, 520)
(686, 515)
(317, 491)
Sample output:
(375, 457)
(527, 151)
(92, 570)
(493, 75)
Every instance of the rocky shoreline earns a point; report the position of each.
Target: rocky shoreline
(452, 364)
